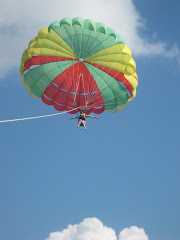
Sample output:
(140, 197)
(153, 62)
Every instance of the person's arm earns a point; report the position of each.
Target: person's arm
(91, 116)
(73, 117)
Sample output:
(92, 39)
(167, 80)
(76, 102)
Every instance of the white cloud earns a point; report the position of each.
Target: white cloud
(133, 233)
(21, 20)
(93, 229)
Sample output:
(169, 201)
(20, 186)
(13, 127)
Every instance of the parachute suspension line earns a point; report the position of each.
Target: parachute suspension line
(77, 116)
(44, 116)
(85, 109)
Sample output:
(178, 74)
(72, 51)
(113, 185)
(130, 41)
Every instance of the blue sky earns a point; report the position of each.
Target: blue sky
(124, 170)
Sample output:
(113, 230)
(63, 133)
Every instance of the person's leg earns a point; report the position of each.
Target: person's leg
(79, 123)
(84, 124)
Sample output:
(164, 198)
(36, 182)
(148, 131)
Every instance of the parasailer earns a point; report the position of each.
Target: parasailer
(78, 62)
(82, 119)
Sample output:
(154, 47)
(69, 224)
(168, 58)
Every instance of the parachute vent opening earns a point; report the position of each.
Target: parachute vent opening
(81, 60)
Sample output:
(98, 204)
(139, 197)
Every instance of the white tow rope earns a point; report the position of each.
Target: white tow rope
(44, 116)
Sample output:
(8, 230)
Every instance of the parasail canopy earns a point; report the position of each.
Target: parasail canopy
(79, 63)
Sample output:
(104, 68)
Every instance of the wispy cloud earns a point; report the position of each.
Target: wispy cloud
(93, 229)
(21, 20)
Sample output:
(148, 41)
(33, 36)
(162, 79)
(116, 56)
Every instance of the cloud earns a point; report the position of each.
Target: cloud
(21, 20)
(133, 233)
(93, 229)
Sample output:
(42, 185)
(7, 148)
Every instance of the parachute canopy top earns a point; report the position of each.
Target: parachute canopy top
(77, 62)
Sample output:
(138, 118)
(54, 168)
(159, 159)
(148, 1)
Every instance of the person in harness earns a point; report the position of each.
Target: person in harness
(82, 119)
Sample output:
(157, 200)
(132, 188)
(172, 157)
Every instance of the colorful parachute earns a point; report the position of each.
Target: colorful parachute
(79, 63)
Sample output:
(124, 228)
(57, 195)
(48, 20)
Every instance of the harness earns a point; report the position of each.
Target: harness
(82, 116)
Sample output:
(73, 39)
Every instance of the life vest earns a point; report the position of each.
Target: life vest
(82, 115)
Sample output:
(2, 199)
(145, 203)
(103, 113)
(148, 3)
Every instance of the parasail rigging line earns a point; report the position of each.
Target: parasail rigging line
(44, 116)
